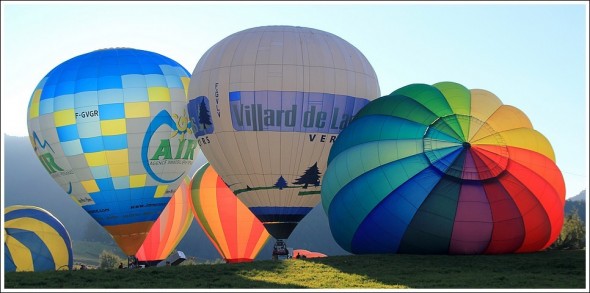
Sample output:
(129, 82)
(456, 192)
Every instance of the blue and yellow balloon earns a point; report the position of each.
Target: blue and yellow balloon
(111, 128)
(35, 240)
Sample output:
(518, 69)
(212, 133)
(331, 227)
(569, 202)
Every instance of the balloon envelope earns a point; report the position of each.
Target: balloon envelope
(171, 226)
(442, 169)
(266, 104)
(110, 127)
(34, 240)
(307, 254)
(232, 228)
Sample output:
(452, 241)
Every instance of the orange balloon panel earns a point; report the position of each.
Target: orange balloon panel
(170, 227)
(232, 228)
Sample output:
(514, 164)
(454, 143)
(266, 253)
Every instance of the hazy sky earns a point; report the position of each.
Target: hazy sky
(531, 55)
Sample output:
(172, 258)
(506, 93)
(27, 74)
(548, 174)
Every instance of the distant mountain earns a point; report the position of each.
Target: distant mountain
(577, 203)
(580, 197)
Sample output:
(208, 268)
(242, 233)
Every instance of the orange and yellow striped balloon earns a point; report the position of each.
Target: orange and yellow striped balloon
(232, 228)
(170, 227)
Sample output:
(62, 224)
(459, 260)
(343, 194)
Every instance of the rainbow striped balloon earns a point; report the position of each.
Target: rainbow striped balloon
(232, 228)
(171, 226)
(35, 240)
(442, 169)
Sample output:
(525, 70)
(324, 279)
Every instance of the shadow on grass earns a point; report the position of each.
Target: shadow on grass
(546, 269)
(190, 276)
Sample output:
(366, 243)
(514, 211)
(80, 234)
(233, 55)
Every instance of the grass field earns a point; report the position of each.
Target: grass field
(540, 270)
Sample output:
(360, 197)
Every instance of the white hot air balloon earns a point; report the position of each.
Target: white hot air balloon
(266, 104)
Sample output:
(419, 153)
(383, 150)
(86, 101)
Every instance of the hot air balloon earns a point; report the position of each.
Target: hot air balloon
(266, 104)
(232, 228)
(110, 126)
(35, 240)
(170, 227)
(444, 170)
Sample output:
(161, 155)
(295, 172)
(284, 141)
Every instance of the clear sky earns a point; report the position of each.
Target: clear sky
(532, 55)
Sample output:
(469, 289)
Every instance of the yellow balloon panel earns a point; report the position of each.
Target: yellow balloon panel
(504, 118)
(483, 105)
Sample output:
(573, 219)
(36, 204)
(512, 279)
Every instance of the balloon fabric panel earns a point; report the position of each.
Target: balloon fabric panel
(473, 221)
(508, 232)
(43, 259)
(548, 199)
(230, 215)
(206, 208)
(504, 118)
(459, 99)
(399, 208)
(535, 220)
(483, 105)
(431, 229)
(170, 227)
(201, 204)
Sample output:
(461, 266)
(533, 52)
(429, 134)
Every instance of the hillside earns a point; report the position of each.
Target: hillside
(579, 197)
(577, 203)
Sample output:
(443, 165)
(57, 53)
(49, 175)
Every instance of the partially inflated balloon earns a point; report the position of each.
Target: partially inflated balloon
(35, 240)
(442, 169)
(170, 227)
(232, 228)
(111, 128)
(266, 105)
(303, 253)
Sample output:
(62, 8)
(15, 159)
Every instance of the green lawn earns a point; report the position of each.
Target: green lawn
(540, 270)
